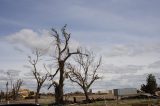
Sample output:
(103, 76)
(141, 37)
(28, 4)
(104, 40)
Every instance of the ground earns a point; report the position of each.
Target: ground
(45, 100)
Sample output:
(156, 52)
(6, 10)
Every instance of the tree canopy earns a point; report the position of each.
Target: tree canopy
(151, 84)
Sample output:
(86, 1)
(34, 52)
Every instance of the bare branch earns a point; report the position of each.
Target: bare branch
(39, 78)
(86, 75)
(67, 37)
(54, 83)
(75, 81)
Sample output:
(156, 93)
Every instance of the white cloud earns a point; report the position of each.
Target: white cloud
(110, 68)
(121, 31)
(155, 65)
(132, 49)
(118, 58)
(31, 39)
(41, 40)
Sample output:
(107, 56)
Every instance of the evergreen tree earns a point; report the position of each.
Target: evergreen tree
(151, 85)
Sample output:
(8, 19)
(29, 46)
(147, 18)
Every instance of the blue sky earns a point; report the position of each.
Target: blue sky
(125, 32)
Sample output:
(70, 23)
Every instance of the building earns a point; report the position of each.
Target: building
(25, 93)
(125, 91)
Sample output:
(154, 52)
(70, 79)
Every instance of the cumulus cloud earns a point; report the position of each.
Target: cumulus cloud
(41, 40)
(30, 39)
(131, 49)
(115, 78)
(74, 45)
(122, 81)
(110, 68)
(119, 50)
(2, 71)
(14, 72)
(155, 65)
(129, 80)
(125, 81)
(127, 38)
(4, 76)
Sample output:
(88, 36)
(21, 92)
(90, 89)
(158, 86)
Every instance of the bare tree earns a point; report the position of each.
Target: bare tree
(7, 92)
(10, 79)
(85, 72)
(40, 79)
(2, 95)
(16, 87)
(62, 54)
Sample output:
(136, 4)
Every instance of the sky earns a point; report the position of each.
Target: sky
(126, 33)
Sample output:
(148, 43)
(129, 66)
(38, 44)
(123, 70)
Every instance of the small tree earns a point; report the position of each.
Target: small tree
(40, 79)
(151, 85)
(2, 95)
(7, 90)
(85, 73)
(16, 87)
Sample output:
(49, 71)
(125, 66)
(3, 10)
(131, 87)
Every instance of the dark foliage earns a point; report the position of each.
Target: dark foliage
(151, 84)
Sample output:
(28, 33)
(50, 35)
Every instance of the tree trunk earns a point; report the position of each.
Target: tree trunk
(86, 95)
(6, 93)
(37, 95)
(59, 95)
(56, 93)
(15, 94)
(59, 88)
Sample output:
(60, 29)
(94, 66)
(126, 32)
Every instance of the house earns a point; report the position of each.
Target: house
(25, 93)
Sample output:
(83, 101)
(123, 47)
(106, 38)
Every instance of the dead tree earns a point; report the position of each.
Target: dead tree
(84, 73)
(2, 96)
(62, 54)
(16, 87)
(7, 93)
(10, 77)
(40, 79)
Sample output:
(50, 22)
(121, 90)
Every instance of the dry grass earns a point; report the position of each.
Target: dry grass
(45, 100)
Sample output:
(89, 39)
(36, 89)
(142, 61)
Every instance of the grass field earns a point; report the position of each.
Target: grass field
(44, 101)
(120, 103)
